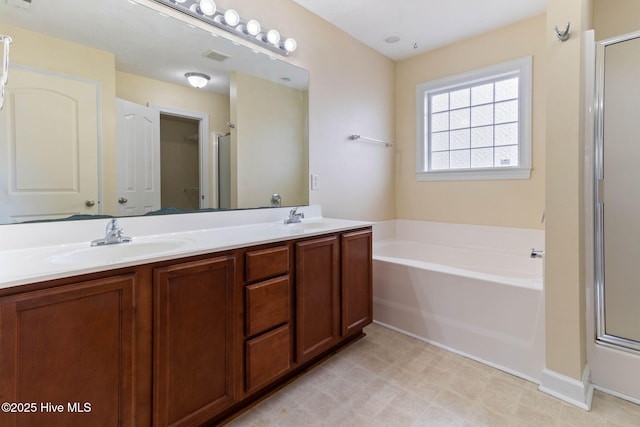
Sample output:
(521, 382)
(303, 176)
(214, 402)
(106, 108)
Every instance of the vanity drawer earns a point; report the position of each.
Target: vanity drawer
(266, 263)
(267, 357)
(267, 304)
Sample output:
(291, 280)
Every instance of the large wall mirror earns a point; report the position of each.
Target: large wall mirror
(617, 195)
(99, 118)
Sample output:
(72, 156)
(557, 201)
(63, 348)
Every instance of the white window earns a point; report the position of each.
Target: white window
(476, 125)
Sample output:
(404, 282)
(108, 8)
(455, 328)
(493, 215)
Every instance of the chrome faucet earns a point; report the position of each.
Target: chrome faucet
(112, 236)
(536, 253)
(294, 217)
(276, 200)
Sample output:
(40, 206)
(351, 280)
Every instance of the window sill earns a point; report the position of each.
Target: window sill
(475, 174)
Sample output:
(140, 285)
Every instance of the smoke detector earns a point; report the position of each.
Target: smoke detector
(21, 4)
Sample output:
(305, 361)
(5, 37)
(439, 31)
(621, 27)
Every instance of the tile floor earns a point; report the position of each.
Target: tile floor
(389, 379)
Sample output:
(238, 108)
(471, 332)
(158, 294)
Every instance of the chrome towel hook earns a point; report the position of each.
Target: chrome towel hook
(563, 36)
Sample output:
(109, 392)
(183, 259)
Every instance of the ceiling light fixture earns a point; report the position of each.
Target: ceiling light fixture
(392, 38)
(230, 21)
(198, 80)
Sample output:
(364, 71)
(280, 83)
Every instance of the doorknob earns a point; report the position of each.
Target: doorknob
(90, 203)
(122, 200)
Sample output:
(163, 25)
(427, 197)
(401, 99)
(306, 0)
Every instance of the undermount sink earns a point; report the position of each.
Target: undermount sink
(118, 252)
(306, 225)
(311, 225)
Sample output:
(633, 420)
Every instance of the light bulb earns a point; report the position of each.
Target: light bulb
(253, 27)
(290, 45)
(273, 37)
(231, 18)
(207, 7)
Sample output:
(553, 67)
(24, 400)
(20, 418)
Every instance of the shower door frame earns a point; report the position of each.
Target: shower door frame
(598, 203)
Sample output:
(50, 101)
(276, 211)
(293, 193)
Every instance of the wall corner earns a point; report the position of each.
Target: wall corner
(575, 392)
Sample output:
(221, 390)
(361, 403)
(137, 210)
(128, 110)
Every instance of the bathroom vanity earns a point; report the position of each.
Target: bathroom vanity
(186, 338)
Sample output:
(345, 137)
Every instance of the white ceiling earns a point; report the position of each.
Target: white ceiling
(421, 25)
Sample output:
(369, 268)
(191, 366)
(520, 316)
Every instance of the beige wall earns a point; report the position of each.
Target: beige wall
(351, 92)
(613, 18)
(269, 142)
(510, 203)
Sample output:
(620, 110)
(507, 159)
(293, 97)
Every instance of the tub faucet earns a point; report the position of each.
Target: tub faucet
(536, 253)
(112, 236)
(294, 217)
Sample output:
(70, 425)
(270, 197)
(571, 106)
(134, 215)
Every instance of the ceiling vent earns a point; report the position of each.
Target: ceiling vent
(216, 56)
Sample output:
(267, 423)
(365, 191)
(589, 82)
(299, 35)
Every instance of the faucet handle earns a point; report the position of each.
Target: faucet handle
(112, 225)
(294, 212)
(294, 216)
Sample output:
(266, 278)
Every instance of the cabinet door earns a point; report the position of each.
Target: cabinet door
(357, 297)
(317, 296)
(268, 304)
(68, 350)
(268, 356)
(193, 341)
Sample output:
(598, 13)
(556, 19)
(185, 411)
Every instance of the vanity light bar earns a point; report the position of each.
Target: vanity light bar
(230, 21)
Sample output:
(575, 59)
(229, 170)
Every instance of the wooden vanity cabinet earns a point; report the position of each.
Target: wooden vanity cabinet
(317, 296)
(181, 342)
(193, 341)
(69, 350)
(356, 281)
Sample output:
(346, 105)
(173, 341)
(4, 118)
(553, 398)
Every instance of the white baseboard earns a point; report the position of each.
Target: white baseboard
(618, 395)
(570, 390)
(461, 353)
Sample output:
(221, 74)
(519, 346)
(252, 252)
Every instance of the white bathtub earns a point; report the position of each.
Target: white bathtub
(471, 289)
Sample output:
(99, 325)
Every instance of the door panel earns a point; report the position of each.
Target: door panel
(138, 133)
(48, 147)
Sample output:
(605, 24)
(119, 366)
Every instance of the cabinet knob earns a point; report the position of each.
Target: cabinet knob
(122, 200)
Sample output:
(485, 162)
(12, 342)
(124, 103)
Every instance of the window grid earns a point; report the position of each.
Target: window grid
(465, 155)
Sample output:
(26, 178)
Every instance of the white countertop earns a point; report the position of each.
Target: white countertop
(47, 251)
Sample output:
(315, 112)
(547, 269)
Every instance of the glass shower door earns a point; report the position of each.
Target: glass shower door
(618, 193)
